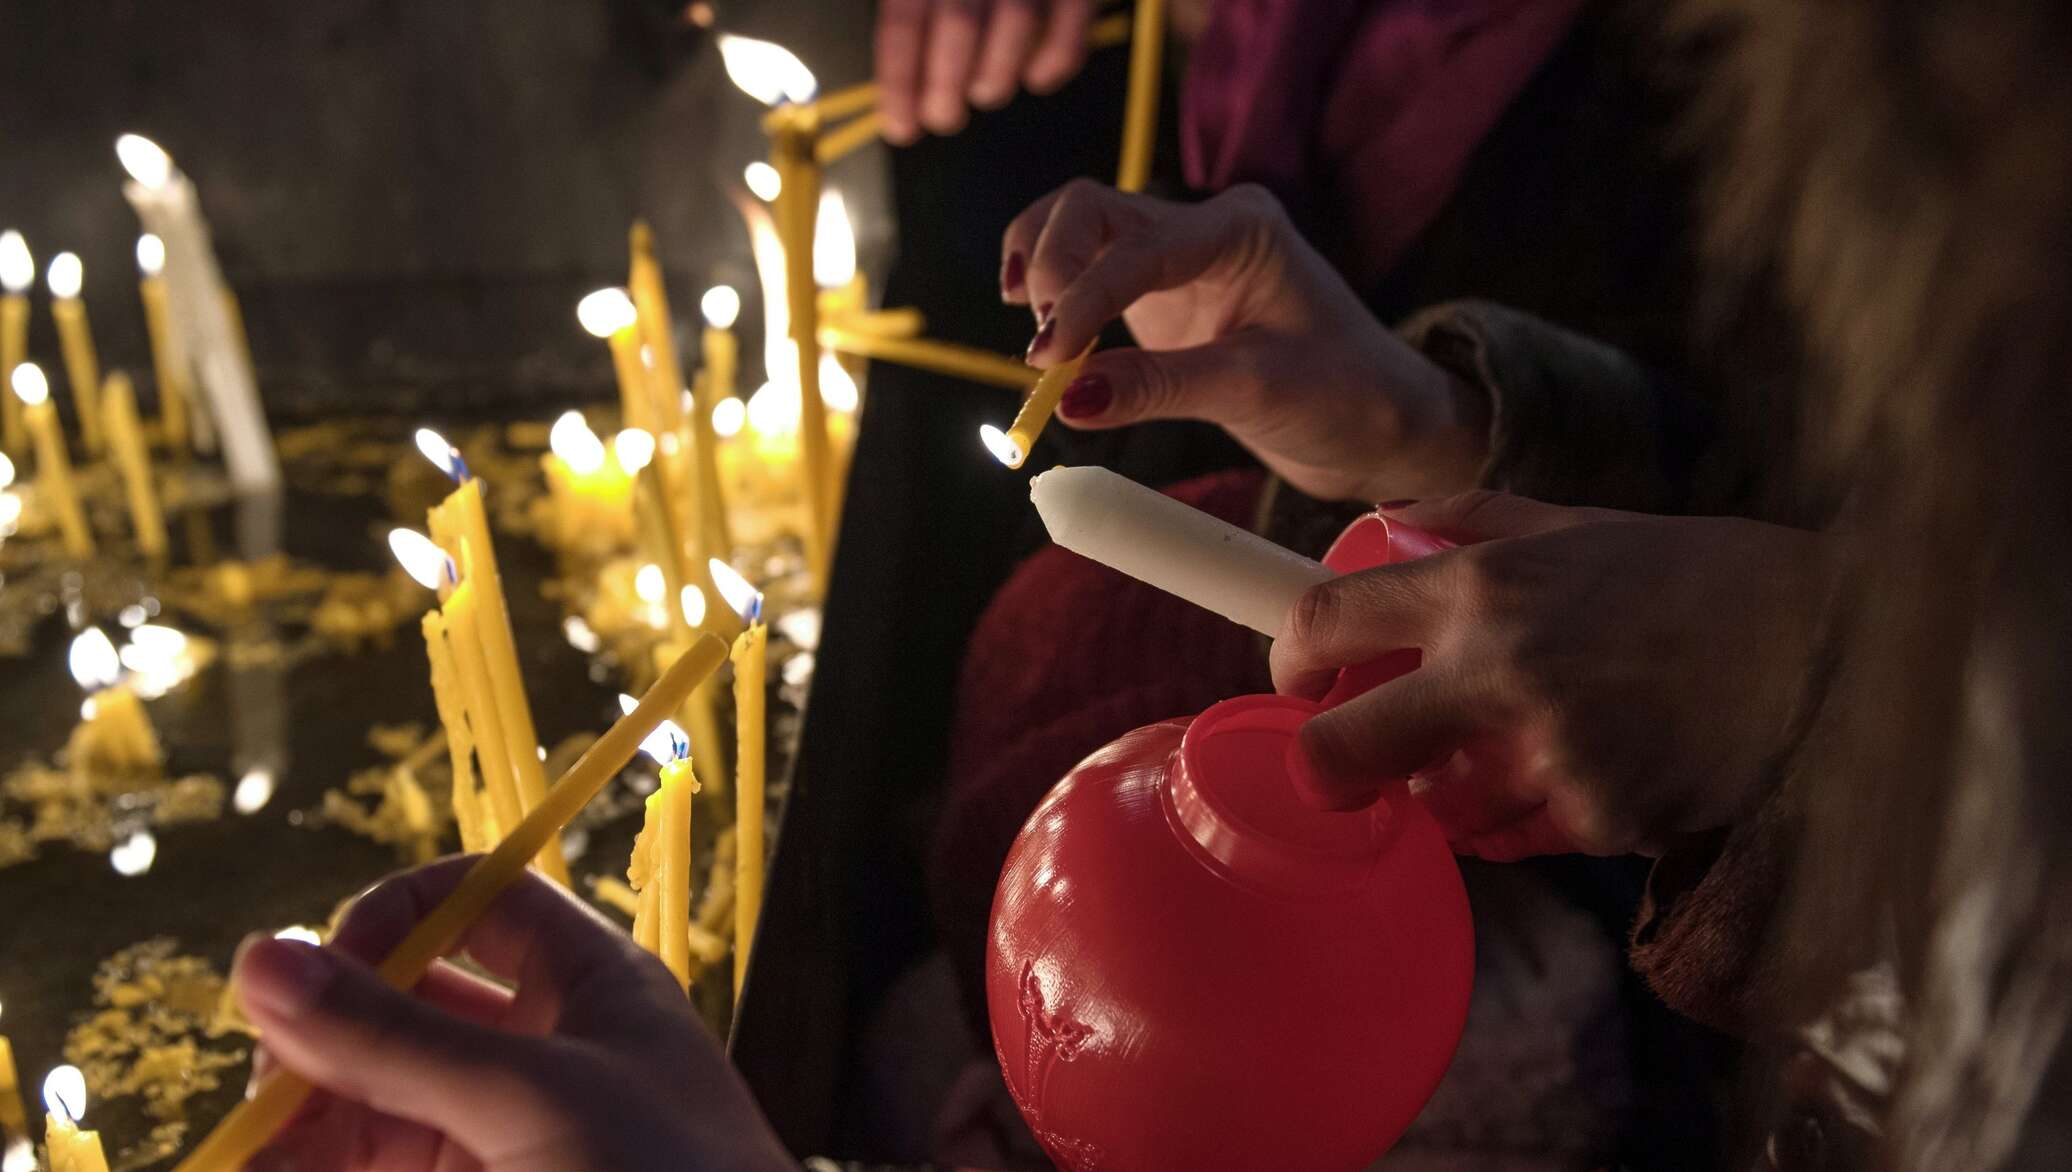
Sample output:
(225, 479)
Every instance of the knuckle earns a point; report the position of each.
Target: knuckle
(1316, 616)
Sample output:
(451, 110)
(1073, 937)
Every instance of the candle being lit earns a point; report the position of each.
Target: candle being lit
(17, 273)
(53, 466)
(765, 71)
(71, 1149)
(1181, 550)
(66, 277)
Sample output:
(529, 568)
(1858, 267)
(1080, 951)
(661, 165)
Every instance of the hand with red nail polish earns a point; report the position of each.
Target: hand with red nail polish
(937, 59)
(1591, 681)
(578, 1053)
(1240, 323)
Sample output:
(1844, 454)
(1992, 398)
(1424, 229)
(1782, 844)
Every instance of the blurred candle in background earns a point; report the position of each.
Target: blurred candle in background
(168, 361)
(17, 273)
(66, 277)
(54, 487)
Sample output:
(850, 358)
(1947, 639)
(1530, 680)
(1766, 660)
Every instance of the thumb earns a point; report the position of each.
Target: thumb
(1485, 515)
(332, 1021)
(1213, 382)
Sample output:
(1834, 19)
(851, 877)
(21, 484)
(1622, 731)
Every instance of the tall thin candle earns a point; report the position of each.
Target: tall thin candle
(133, 461)
(54, 484)
(76, 340)
(168, 359)
(17, 273)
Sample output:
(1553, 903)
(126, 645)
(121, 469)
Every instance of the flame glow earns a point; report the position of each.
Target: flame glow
(150, 255)
(996, 441)
(20, 1157)
(720, 305)
(578, 446)
(660, 744)
(444, 456)
(420, 556)
(134, 855)
(93, 660)
(6, 470)
(727, 417)
(634, 447)
(64, 1093)
(299, 934)
(65, 275)
(146, 161)
(834, 242)
(774, 408)
(764, 180)
(692, 601)
(253, 791)
(579, 634)
(606, 312)
(649, 583)
(766, 71)
(159, 659)
(29, 384)
(741, 597)
(837, 388)
(17, 267)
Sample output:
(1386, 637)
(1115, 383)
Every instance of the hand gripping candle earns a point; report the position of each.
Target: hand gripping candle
(1188, 966)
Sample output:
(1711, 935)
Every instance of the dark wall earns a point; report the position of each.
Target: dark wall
(409, 197)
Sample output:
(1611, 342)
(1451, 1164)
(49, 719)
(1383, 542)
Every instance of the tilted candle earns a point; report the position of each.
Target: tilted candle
(797, 211)
(54, 484)
(133, 460)
(1181, 550)
(249, 1126)
(1012, 446)
(948, 358)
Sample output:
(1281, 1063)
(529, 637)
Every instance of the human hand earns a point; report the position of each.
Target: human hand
(594, 1061)
(1591, 681)
(1242, 324)
(937, 58)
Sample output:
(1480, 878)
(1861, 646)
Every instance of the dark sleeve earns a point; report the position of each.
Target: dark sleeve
(1572, 421)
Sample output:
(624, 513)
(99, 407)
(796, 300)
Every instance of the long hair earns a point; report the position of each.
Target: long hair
(1900, 172)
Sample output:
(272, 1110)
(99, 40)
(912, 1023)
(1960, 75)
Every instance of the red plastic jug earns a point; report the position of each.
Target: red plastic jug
(1191, 968)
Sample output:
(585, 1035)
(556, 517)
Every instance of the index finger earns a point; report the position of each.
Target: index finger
(1359, 617)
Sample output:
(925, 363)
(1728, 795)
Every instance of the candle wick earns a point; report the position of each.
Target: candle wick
(452, 573)
(459, 471)
(679, 745)
(755, 609)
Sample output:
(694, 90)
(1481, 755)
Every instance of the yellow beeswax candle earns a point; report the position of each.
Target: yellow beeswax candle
(672, 869)
(168, 363)
(17, 273)
(125, 436)
(54, 484)
(14, 1121)
(461, 526)
(71, 1148)
(252, 1123)
(651, 301)
(76, 340)
(1140, 103)
(749, 748)
(720, 306)
(609, 314)
(463, 622)
(797, 210)
(478, 829)
(1013, 446)
(965, 362)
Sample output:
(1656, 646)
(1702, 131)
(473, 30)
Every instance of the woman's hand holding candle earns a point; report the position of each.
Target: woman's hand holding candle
(594, 1061)
(1242, 324)
(1592, 680)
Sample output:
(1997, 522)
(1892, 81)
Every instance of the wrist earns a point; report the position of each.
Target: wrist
(1445, 439)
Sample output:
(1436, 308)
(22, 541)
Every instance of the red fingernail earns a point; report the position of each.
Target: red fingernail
(1086, 397)
(1391, 506)
(1013, 274)
(1042, 338)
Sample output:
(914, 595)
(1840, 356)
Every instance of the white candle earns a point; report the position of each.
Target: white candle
(165, 201)
(1181, 550)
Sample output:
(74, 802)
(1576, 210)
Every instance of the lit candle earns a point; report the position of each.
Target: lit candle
(1012, 447)
(114, 733)
(749, 657)
(133, 461)
(460, 526)
(17, 273)
(478, 826)
(1181, 550)
(673, 866)
(948, 358)
(1140, 103)
(14, 1121)
(168, 361)
(609, 314)
(651, 302)
(165, 200)
(76, 339)
(71, 1149)
(53, 466)
(591, 495)
(252, 1123)
(720, 306)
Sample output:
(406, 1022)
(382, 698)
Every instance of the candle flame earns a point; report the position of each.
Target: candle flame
(10, 514)
(727, 417)
(299, 934)
(158, 659)
(635, 448)
(29, 384)
(421, 558)
(649, 583)
(146, 161)
(764, 180)
(65, 275)
(661, 744)
(150, 254)
(134, 855)
(93, 660)
(1004, 449)
(741, 597)
(64, 1093)
(606, 312)
(774, 408)
(837, 388)
(443, 455)
(766, 71)
(720, 305)
(579, 634)
(578, 446)
(691, 600)
(20, 1157)
(6, 470)
(254, 790)
(17, 267)
(834, 242)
